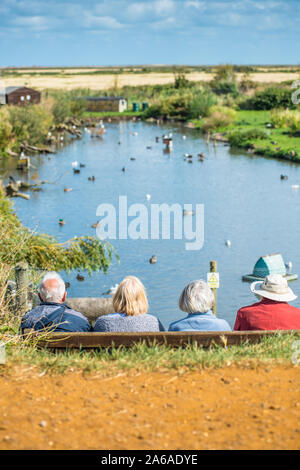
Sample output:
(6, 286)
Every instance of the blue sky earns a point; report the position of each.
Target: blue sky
(121, 32)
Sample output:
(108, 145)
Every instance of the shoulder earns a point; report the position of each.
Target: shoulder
(247, 308)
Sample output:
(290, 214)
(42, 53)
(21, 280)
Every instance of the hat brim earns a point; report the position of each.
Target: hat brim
(255, 288)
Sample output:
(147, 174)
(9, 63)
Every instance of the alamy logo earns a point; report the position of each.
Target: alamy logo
(296, 94)
(152, 222)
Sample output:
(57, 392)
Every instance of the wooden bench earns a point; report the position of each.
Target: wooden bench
(173, 339)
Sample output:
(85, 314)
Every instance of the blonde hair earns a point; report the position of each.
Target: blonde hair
(130, 297)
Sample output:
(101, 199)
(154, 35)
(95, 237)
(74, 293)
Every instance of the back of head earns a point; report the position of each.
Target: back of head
(196, 297)
(52, 288)
(130, 297)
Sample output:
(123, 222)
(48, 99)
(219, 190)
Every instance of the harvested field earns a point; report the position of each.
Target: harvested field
(105, 81)
(227, 408)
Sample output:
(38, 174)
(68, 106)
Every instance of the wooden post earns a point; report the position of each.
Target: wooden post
(21, 273)
(213, 269)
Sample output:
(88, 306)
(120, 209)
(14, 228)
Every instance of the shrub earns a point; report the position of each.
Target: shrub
(201, 105)
(5, 130)
(225, 88)
(270, 98)
(29, 122)
(219, 116)
(286, 119)
(245, 138)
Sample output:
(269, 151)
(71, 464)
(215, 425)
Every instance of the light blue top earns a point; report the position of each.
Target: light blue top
(200, 322)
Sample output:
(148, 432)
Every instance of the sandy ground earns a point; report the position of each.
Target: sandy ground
(229, 408)
(105, 81)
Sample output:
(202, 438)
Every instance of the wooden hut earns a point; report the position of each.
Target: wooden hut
(269, 264)
(106, 103)
(19, 96)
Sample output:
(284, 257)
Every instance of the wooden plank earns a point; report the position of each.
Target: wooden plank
(174, 339)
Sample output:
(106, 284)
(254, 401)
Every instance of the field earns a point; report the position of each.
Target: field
(98, 79)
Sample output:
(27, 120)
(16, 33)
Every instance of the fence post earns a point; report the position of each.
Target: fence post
(21, 273)
(213, 269)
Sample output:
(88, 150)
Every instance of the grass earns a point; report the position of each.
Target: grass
(271, 351)
(278, 142)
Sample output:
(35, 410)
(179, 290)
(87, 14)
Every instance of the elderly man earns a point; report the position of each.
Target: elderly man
(53, 313)
(272, 312)
(197, 300)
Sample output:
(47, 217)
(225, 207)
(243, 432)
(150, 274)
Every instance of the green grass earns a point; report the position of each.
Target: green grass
(247, 120)
(272, 351)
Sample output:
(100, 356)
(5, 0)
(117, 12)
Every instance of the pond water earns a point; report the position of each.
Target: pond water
(245, 201)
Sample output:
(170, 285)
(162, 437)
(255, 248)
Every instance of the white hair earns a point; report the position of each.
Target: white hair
(54, 294)
(196, 297)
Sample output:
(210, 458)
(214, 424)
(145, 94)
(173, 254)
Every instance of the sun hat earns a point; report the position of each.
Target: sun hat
(274, 287)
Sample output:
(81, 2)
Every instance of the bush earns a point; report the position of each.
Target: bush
(245, 138)
(286, 119)
(225, 88)
(29, 123)
(5, 130)
(219, 116)
(270, 98)
(201, 105)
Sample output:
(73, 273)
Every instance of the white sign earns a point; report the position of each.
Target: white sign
(213, 280)
(2, 354)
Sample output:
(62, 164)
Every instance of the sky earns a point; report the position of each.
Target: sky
(131, 32)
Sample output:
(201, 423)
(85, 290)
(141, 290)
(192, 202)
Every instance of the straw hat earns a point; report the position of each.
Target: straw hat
(274, 287)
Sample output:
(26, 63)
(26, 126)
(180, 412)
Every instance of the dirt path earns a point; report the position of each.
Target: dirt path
(229, 408)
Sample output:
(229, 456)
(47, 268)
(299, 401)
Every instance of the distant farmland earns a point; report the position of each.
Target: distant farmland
(102, 78)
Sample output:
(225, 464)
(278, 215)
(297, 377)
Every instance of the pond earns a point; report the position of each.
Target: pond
(244, 199)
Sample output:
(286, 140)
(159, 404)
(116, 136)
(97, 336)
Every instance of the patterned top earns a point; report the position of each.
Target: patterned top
(120, 322)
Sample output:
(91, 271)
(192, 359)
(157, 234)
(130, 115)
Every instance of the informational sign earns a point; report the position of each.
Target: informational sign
(2, 354)
(213, 280)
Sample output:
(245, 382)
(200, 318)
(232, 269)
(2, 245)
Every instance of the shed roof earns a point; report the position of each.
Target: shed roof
(11, 89)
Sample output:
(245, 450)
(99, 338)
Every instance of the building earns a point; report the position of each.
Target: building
(106, 103)
(19, 96)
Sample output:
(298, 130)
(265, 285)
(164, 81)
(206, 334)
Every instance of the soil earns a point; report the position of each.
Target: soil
(229, 408)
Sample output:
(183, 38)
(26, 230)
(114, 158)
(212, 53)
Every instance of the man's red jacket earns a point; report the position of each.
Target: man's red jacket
(268, 315)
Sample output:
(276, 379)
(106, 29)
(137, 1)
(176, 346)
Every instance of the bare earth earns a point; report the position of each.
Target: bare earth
(105, 81)
(228, 408)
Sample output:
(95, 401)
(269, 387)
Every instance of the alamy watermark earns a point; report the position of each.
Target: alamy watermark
(152, 222)
(296, 94)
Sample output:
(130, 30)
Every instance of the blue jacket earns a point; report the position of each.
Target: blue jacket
(200, 322)
(120, 322)
(55, 317)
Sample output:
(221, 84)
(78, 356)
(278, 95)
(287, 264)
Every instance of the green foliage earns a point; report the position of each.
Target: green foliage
(284, 118)
(244, 138)
(270, 98)
(180, 81)
(29, 123)
(225, 73)
(201, 104)
(219, 116)
(17, 243)
(225, 88)
(5, 130)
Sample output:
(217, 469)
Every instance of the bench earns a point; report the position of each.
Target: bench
(93, 340)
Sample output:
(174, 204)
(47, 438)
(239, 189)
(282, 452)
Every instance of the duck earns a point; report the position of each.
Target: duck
(112, 290)
(79, 277)
(61, 222)
(96, 224)
(91, 178)
(132, 158)
(82, 165)
(228, 243)
(153, 259)
(67, 190)
(283, 177)
(123, 169)
(148, 196)
(76, 171)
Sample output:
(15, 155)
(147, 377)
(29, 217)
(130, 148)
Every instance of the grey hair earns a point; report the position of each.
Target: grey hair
(196, 297)
(54, 294)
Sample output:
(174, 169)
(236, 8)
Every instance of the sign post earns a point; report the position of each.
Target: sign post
(213, 280)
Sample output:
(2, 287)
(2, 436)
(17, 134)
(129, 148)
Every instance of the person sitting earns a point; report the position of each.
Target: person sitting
(52, 313)
(197, 299)
(131, 306)
(272, 312)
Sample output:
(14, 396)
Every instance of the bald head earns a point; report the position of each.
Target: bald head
(52, 288)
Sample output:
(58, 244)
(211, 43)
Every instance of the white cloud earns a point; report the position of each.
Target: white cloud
(35, 23)
(107, 22)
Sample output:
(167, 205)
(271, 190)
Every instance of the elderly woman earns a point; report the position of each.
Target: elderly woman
(197, 300)
(131, 306)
